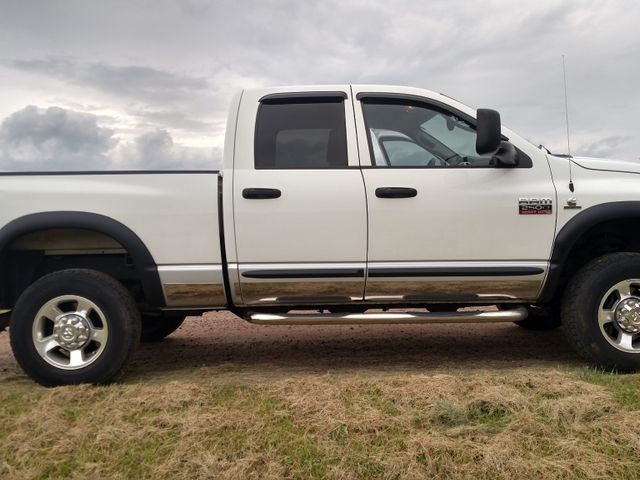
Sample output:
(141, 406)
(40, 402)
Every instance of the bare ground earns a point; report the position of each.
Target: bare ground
(223, 341)
(221, 398)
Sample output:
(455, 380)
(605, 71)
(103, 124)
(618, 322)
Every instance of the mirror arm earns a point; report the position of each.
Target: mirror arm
(506, 155)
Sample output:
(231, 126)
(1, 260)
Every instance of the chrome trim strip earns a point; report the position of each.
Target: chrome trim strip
(191, 273)
(519, 313)
(193, 285)
(196, 295)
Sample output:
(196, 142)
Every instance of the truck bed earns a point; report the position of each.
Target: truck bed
(173, 214)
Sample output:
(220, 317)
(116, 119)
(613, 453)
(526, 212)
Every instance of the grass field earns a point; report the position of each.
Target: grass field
(229, 420)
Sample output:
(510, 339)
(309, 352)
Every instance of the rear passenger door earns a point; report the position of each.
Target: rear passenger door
(299, 200)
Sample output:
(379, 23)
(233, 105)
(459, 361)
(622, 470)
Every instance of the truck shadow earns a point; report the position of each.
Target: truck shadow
(221, 341)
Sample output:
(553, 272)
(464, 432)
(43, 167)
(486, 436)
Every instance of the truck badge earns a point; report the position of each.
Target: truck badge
(535, 206)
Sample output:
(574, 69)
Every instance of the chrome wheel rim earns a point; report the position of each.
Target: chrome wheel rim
(619, 316)
(70, 332)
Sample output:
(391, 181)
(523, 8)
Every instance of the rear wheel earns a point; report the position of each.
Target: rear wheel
(601, 311)
(158, 327)
(74, 326)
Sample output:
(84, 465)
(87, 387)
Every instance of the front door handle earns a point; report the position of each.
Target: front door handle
(261, 193)
(396, 192)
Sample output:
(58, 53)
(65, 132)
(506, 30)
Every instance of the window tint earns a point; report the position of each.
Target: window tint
(411, 134)
(301, 135)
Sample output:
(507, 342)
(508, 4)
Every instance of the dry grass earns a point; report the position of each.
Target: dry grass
(527, 423)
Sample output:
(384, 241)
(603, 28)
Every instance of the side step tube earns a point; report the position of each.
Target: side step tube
(514, 315)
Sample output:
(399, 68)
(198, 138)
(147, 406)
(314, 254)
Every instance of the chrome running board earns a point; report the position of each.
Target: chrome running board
(514, 315)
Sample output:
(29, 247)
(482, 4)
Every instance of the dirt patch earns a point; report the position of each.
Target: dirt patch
(226, 343)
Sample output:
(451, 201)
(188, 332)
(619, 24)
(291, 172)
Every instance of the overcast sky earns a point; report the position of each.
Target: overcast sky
(146, 83)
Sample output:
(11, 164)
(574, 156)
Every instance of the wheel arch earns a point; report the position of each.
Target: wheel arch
(568, 238)
(144, 263)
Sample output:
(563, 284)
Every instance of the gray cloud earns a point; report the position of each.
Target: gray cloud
(174, 64)
(57, 139)
(604, 148)
(130, 81)
(174, 119)
(33, 139)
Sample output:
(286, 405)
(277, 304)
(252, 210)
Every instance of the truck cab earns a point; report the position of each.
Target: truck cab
(379, 197)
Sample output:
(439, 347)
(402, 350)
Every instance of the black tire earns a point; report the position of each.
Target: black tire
(581, 305)
(117, 307)
(158, 327)
(541, 318)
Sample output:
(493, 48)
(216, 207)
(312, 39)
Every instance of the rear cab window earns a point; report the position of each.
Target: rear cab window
(301, 133)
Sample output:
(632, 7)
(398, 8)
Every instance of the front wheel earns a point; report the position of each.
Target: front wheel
(74, 326)
(601, 311)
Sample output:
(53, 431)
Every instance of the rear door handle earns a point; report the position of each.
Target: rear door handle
(396, 192)
(261, 193)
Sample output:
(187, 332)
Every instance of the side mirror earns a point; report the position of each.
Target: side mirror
(489, 139)
(488, 131)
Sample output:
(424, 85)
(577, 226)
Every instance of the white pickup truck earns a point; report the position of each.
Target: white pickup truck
(338, 204)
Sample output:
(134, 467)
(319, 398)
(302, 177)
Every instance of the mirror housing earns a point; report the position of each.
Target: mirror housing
(488, 131)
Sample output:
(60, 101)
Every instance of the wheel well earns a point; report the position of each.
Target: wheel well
(37, 244)
(613, 236)
(33, 255)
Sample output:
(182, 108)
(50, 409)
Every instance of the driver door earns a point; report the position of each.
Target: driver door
(444, 223)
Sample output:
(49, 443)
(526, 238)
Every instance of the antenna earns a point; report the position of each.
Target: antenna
(566, 114)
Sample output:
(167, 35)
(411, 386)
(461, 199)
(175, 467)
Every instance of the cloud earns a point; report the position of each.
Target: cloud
(174, 64)
(156, 150)
(139, 83)
(605, 148)
(37, 139)
(151, 97)
(58, 139)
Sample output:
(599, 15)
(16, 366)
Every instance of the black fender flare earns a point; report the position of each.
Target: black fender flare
(143, 261)
(571, 232)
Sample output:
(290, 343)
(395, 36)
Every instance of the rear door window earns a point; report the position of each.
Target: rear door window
(301, 135)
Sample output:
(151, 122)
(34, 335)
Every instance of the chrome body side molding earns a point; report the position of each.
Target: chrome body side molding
(472, 282)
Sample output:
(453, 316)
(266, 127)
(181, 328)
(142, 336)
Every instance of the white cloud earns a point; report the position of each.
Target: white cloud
(157, 150)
